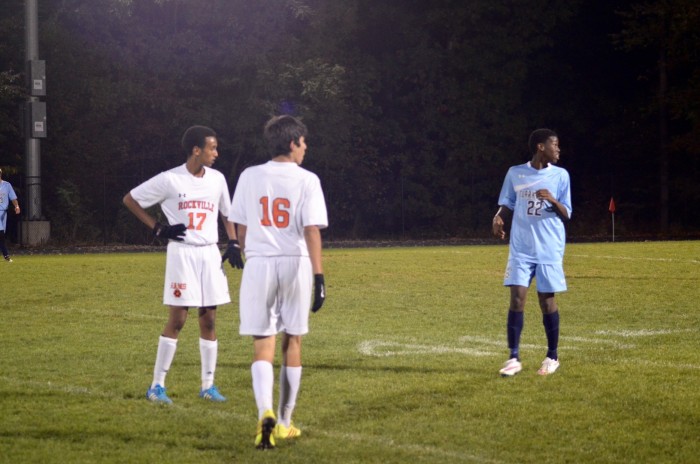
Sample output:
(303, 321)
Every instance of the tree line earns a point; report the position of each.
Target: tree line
(415, 108)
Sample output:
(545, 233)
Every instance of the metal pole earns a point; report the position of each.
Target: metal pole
(32, 160)
(613, 226)
(403, 220)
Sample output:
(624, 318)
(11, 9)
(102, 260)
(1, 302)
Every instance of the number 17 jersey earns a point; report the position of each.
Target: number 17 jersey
(537, 234)
(186, 199)
(275, 201)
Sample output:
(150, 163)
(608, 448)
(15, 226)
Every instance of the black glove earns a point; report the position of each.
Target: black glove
(319, 292)
(176, 232)
(233, 254)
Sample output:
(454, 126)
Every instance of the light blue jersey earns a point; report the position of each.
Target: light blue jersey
(7, 194)
(537, 234)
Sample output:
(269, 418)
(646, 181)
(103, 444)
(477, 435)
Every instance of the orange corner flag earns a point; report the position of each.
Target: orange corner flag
(611, 208)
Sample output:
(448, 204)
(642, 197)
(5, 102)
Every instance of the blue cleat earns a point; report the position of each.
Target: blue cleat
(212, 394)
(157, 395)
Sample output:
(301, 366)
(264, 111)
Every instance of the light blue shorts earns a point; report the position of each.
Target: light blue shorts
(550, 277)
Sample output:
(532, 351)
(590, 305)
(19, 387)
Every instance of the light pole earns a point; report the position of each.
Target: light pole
(35, 229)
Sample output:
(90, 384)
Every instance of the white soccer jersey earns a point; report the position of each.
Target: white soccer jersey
(537, 234)
(186, 199)
(275, 201)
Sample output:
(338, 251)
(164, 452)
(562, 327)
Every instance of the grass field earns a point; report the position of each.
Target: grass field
(400, 365)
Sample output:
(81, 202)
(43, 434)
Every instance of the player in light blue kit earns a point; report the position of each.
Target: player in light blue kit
(7, 195)
(537, 195)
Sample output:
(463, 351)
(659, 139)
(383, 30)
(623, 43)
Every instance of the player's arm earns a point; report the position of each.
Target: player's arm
(558, 208)
(14, 202)
(503, 215)
(241, 234)
(136, 209)
(312, 236)
(176, 232)
(233, 249)
(230, 228)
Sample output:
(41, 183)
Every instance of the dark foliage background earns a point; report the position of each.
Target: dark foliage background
(416, 108)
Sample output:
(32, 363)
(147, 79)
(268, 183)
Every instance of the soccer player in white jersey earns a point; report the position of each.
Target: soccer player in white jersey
(537, 195)
(191, 196)
(279, 210)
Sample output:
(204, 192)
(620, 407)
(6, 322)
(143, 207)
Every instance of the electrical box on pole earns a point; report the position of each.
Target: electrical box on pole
(36, 78)
(35, 119)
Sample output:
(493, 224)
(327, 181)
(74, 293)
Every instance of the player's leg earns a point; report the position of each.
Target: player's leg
(516, 319)
(550, 279)
(214, 292)
(259, 316)
(517, 277)
(263, 384)
(3, 247)
(296, 281)
(208, 351)
(550, 320)
(262, 372)
(290, 381)
(167, 345)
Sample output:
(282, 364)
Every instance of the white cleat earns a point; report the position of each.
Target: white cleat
(511, 367)
(549, 366)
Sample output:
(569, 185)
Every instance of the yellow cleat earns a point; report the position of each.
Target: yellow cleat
(264, 438)
(282, 433)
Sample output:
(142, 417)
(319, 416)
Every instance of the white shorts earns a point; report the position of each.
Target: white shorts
(550, 277)
(194, 276)
(276, 295)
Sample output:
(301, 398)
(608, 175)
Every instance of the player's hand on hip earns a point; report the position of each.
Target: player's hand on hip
(233, 254)
(319, 292)
(176, 232)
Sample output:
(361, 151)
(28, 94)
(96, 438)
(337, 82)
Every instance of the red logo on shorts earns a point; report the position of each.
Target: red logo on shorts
(177, 287)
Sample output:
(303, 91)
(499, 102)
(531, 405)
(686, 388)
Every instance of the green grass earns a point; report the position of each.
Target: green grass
(400, 365)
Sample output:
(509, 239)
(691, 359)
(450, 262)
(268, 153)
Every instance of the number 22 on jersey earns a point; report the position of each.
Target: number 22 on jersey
(278, 216)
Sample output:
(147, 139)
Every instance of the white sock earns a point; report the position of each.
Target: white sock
(208, 350)
(263, 382)
(164, 358)
(290, 380)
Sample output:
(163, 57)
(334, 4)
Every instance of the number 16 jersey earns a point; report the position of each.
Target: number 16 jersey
(537, 234)
(275, 201)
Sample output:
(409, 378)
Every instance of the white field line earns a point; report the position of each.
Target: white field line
(501, 344)
(481, 345)
(641, 333)
(52, 386)
(380, 348)
(664, 365)
(630, 258)
(599, 341)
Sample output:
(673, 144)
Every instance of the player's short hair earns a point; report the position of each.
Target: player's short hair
(280, 131)
(539, 136)
(196, 136)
